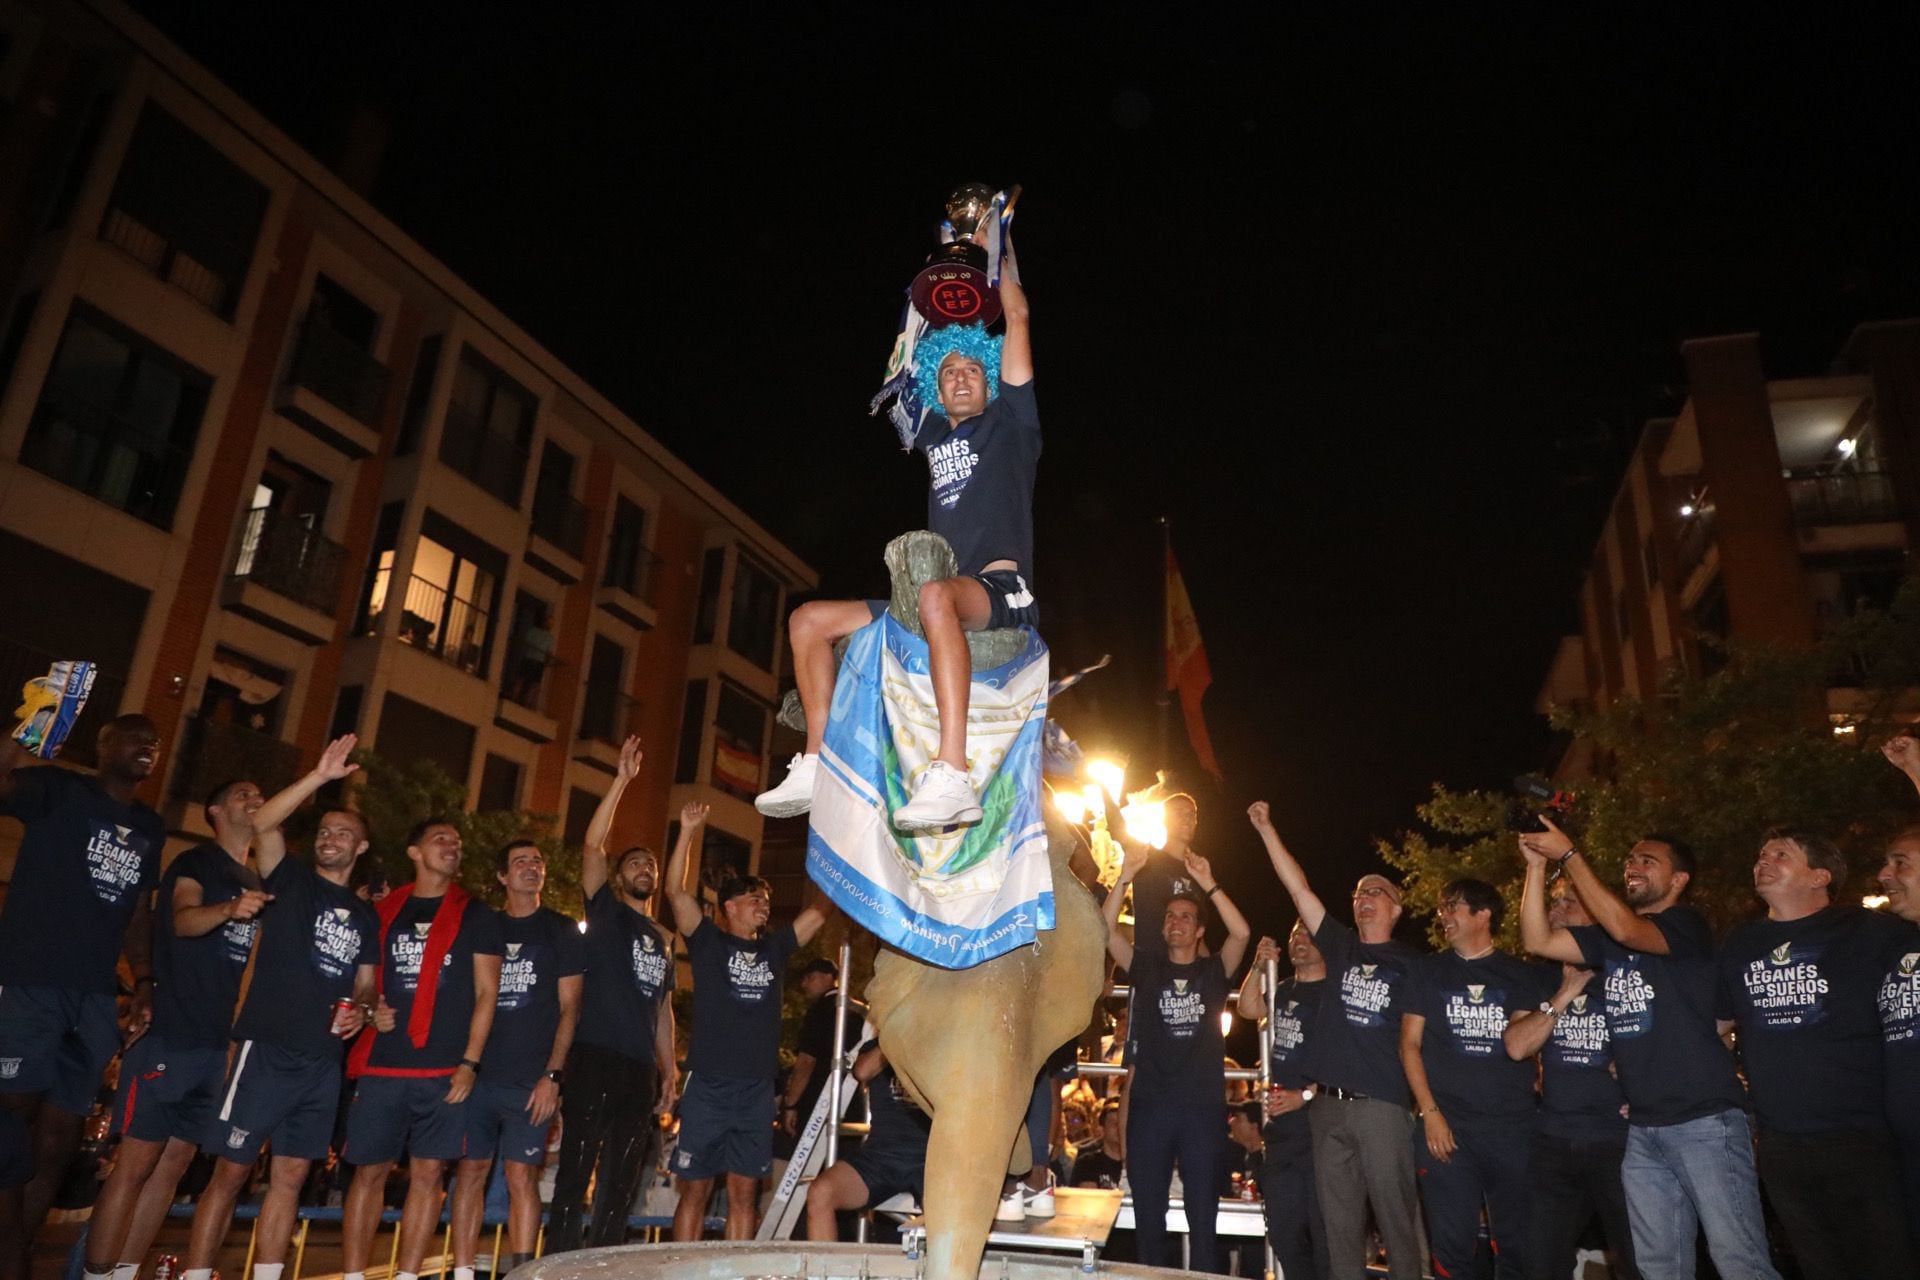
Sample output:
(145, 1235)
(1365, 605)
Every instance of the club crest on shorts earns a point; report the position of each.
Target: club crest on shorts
(10, 1067)
(238, 1138)
(1782, 953)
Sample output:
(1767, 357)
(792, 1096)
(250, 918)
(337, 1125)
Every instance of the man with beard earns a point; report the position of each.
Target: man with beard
(1689, 1162)
(622, 1068)
(1583, 1117)
(81, 895)
(1899, 878)
(1286, 1173)
(319, 944)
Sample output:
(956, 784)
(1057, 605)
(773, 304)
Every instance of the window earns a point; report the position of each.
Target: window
(281, 546)
(580, 807)
(410, 732)
(558, 516)
(419, 393)
(185, 211)
(754, 620)
(334, 358)
(693, 727)
(448, 604)
(739, 735)
(117, 420)
(530, 654)
(489, 428)
(342, 313)
(607, 712)
(237, 731)
(706, 618)
(626, 549)
(499, 785)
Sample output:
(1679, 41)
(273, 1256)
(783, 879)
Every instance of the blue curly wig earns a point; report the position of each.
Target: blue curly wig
(969, 340)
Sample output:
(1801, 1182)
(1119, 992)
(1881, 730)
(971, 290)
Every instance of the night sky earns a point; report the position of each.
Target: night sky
(1371, 304)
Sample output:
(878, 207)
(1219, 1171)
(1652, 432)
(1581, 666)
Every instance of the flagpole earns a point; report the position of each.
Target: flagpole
(1166, 638)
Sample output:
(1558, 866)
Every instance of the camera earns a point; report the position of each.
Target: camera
(1534, 798)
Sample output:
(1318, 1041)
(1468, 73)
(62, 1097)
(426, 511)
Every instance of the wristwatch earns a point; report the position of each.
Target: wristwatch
(470, 1065)
(1546, 1007)
(558, 1077)
(1306, 1094)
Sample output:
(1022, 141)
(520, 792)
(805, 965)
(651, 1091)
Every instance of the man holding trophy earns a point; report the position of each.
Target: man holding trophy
(965, 400)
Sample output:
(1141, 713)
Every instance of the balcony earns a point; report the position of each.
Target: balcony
(628, 593)
(448, 626)
(20, 663)
(135, 467)
(607, 719)
(559, 537)
(1853, 497)
(168, 261)
(215, 752)
(523, 700)
(334, 389)
(497, 463)
(286, 576)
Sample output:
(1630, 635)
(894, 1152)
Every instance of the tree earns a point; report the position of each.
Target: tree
(1714, 760)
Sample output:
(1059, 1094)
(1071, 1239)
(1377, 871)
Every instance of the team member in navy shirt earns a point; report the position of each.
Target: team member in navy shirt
(1286, 1171)
(81, 895)
(439, 979)
(1177, 1109)
(1362, 1136)
(893, 1158)
(1583, 1116)
(1475, 1104)
(317, 944)
(983, 448)
(172, 1077)
(726, 1114)
(522, 1071)
(1800, 987)
(1689, 1162)
(621, 1071)
(1899, 878)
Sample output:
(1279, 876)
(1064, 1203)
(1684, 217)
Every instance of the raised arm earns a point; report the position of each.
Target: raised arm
(1238, 930)
(686, 907)
(1902, 752)
(814, 915)
(593, 854)
(1251, 1003)
(1118, 947)
(269, 841)
(1537, 933)
(193, 918)
(1529, 1029)
(1287, 867)
(1413, 1030)
(1609, 910)
(1016, 349)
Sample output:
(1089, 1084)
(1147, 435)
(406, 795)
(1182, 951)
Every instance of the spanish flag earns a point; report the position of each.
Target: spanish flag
(1187, 670)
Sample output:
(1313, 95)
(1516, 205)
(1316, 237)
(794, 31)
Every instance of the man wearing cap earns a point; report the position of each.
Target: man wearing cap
(727, 1111)
(622, 1069)
(1362, 1132)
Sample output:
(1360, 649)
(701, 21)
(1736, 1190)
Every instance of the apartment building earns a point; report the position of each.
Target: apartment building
(282, 475)
(1766, 511)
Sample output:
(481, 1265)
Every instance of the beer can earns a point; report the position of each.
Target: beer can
(340, 1009)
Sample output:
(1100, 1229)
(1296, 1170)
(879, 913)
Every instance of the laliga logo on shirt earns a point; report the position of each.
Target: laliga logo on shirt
(1477, 992)
(1782, 954)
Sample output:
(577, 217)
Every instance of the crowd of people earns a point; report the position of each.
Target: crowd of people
(1628, 1072)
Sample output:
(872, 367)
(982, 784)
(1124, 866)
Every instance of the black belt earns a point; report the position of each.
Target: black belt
(1345, 1095)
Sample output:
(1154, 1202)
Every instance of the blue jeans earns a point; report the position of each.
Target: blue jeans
(1683, 1178)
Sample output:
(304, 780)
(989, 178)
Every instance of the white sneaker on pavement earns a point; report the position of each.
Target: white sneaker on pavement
(794, 795)
(942, 798)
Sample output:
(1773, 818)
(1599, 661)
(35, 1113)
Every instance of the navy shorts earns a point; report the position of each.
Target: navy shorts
(1010, 600)
(168, 1090)
(274, 1095)
(57, 1041)
(726, 1126)
(497, 1125)
(889, 1172)
(392, 1114)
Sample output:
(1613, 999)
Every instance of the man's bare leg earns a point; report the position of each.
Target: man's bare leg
(361, 1217)
(113, 1212)
(949, 609)
(469, 1208)
(420, 1218)
(813, 631)
(280, 1209)
(155, 1199)
(523, 1207)
(690, 1214)
(213, 1216)
(743, 1206)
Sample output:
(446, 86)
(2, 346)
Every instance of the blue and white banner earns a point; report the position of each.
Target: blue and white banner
(954, 898)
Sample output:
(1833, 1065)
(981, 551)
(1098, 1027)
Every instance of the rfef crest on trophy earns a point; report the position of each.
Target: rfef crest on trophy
(957, 285)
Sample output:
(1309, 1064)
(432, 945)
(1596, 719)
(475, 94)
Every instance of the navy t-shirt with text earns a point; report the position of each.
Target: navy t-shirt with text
(1466, 1004)
(1673, 1064)
(1356, 1045)
(1580, 1096)
(736, 1001)
(196, 981)
(314, 936)
(536, 952)
(980, 480)
(1178, 1053)
(1296, 1008)
(1899, 1001)
(86, 863)
(1804, 994)
(629, 963)
(453, 998)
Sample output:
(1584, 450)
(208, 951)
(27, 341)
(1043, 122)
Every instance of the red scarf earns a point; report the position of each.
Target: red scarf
(440, 935)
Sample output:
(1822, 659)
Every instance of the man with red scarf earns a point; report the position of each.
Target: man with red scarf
(439, 977)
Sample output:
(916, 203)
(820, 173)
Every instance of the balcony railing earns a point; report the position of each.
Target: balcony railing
(166, 260)
(562, 520)
(525, 681)
(336, 369)
(20, 663)
(1851, 497)
(637, 578)
(215, 752)
(286, 556)
(447, 626)
(495, 462)
(608, 717)
(88, 446)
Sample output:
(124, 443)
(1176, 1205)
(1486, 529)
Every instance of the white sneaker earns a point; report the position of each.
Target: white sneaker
(794, 795)
(1013, 1206)
(1040, 1203)
(942, 798)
